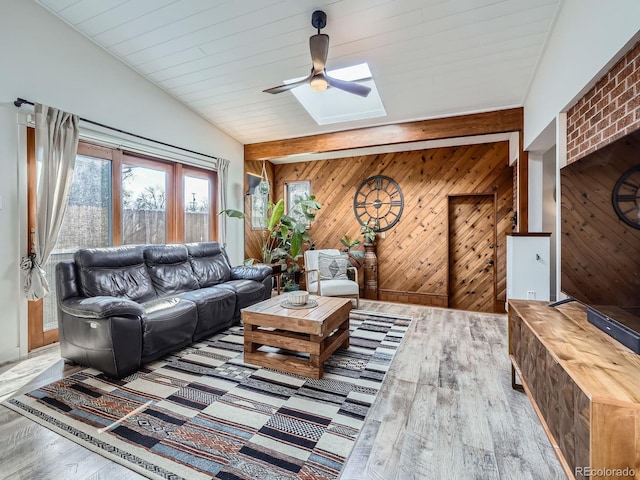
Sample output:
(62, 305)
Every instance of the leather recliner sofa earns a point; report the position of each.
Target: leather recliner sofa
(122, 307)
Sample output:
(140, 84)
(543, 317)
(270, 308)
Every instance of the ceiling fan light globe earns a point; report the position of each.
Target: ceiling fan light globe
(318, 84)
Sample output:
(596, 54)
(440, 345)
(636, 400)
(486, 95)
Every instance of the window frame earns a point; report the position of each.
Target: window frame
(176, 171)
(212, 177)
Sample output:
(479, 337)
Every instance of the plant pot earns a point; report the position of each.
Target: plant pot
(291, 288)
(370, 271)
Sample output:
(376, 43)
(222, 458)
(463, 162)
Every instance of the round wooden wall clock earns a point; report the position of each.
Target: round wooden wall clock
(378, 202)
(626, 197)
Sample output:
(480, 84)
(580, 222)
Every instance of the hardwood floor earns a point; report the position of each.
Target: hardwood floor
(446, 411)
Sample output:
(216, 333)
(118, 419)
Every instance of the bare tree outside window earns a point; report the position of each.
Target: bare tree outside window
(144, 212)
(197, 205)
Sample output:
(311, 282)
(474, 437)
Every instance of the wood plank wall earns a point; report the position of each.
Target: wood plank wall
(413, 256)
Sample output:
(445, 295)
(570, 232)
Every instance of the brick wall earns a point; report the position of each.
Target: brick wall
(608, 111)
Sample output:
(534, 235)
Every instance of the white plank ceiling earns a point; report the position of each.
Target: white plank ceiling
(429, 58)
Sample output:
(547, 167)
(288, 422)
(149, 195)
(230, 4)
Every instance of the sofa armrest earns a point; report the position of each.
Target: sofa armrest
(251, 272)
(101, 307)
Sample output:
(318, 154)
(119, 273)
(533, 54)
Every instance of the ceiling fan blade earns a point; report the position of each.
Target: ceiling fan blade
(350, 87)
(288, 86)
(319, 46)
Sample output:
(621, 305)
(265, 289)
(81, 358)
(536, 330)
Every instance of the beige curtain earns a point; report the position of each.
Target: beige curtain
(56, 148)
(223, 182)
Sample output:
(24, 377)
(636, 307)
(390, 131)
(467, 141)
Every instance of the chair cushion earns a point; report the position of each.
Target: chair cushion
(331, 288)
(333, 267)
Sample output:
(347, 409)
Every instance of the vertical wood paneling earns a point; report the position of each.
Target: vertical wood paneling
(412, 257)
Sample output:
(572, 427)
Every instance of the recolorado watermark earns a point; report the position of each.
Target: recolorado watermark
(605, 472)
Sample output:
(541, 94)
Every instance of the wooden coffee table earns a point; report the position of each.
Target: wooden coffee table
(318, 332)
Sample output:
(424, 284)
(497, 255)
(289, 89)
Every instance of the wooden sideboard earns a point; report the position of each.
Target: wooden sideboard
(584, 386)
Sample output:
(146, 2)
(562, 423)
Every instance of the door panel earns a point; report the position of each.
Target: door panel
(472, 241)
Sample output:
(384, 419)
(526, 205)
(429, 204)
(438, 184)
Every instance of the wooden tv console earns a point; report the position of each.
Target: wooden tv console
(584, 386)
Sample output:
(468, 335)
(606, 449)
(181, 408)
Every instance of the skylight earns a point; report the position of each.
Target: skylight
(334, 105)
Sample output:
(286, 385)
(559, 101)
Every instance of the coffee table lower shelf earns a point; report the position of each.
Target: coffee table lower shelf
(318, 349)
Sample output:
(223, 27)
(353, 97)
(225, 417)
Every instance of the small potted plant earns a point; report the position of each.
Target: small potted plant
(354, 255)
(368, 233)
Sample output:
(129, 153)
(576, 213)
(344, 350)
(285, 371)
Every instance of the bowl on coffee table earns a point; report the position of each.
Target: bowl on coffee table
(298, 297)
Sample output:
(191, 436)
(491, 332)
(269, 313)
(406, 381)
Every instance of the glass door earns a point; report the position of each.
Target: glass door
(198, 205)
(87, 223)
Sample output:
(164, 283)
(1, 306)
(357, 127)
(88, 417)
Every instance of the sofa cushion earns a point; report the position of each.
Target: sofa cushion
(209, 263)
(169, 269)
(248, 292)
(114, 271)
(167, 324)
(216, 308)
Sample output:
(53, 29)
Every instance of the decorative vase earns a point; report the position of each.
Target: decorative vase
(370, 271)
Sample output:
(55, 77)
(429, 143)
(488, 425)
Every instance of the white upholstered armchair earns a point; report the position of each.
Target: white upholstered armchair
(326, 272)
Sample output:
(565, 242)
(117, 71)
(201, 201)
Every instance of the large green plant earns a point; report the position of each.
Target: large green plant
(284, 235)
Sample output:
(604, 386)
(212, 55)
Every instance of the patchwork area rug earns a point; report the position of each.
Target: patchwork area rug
(202, 413)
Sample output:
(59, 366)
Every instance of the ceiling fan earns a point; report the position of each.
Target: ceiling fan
(318, 78)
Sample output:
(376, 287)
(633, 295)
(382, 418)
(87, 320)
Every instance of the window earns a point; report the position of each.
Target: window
(334, 105)
(118, 198)
(144, 204)
(197, 205)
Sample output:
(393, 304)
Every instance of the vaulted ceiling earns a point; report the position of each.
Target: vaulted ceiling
(429, 58)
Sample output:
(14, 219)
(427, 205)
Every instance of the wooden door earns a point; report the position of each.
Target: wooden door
(472, 252)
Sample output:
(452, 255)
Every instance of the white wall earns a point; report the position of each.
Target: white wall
(535, 173)
(549, 204)
(588, 37)
(44, 60)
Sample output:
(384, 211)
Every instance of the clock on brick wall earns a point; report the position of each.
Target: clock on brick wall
(378, 202)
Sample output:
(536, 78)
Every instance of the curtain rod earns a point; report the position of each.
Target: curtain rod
(21, 101)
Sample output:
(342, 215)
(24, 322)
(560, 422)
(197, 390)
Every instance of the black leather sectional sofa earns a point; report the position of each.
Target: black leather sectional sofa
(121, 307)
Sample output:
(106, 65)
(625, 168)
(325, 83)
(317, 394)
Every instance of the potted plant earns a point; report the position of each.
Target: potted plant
(284, 236)
(354, 255)
(368, 233)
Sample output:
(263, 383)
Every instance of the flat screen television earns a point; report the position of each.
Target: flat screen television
(600, 235)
